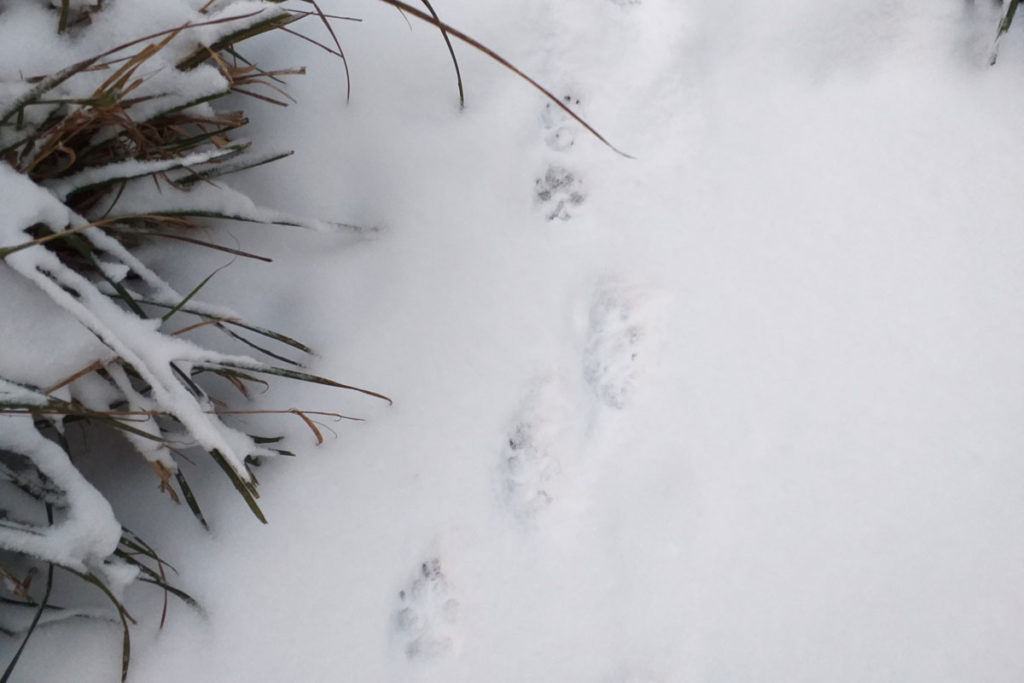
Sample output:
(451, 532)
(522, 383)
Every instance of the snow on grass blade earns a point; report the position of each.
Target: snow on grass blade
(201, 54)
(88, 532)
(209, 315)
(110, 174)
(223, 169)
(243, 486)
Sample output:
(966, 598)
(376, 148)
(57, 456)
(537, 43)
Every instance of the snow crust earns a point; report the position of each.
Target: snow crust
(745, 408)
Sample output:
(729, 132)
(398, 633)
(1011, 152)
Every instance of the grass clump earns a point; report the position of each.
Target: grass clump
(125, 147)
(113, 151)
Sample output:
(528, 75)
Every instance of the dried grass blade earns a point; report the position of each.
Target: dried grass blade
(92, 367)
(201, 54)
(196, 326)
(309, 423)
(337, 43)
(477, 45)
(233, 376)
(451, 51)
(255, 95)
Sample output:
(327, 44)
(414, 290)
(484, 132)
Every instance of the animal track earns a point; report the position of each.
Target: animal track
(560, 189)
(561, 192)
(561, 135)
(427, 614)
(529, 462)
(616, 339)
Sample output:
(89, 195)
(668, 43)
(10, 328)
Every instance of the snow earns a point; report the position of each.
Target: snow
(748, 408)
(89, 532)
(129, 169)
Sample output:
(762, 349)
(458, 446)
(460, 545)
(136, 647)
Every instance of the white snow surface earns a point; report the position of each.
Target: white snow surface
(744, 408)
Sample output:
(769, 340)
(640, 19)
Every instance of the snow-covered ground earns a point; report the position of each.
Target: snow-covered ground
(745, 408)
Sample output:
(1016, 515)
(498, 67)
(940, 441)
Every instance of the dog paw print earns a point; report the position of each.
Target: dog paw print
(616, 343)
(560, 133)
(427, 614)
(561, 193)
(526, 468)
(529, 466)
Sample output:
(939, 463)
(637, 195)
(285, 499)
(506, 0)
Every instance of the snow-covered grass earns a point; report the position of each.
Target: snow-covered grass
(99, 155)
(746, 407)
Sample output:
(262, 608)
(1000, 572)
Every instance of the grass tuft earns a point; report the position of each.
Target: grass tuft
(89, 135)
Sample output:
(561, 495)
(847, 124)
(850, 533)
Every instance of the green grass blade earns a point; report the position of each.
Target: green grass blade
(32, 627)
(190, 499)
(167, 316)
(254, 345)
(1004, 26)
(306, 377)
(191, 240)
(262, 331)
(243, 487)
(126, 641)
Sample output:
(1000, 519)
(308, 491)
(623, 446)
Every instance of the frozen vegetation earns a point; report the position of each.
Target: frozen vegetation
(743, 407)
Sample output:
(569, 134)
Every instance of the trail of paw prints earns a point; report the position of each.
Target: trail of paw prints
(529, 465)
(427, 615)
(617, 342)
(560, 190)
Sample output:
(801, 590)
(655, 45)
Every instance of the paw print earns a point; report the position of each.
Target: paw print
(529, 465)
(561, 134)
(526, 469)
(617, 339)
(561, 192)
(427, 614)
